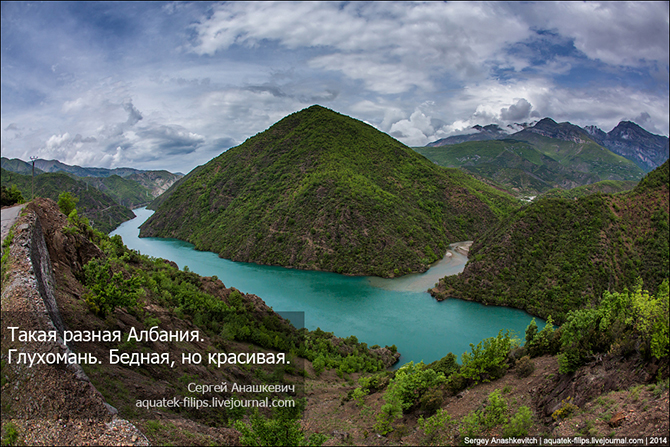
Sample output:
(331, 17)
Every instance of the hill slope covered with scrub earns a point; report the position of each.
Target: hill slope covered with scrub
(557, 255)
(322, 191)
(105, 213)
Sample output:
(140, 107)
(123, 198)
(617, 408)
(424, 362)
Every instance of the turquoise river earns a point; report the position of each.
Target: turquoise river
(377, 311)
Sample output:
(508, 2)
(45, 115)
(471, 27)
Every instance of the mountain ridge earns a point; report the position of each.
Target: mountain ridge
(627, 139)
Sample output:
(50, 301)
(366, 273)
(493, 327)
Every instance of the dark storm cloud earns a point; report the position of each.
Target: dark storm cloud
(279, 92)
(272, 89)
(516, 112)
(134, 115)
(172, 140)
(223, 143)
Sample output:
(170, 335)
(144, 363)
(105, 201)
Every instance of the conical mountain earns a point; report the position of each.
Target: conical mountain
(322, 191)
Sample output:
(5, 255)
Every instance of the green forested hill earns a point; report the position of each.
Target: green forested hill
(320, 190)
(556, 254)
(129, 187)
(18, 166)
(510, 162)
(126, 192)
(583, 155)
(101, 209)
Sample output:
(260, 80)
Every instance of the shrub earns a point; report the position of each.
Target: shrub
(359, 395)
(547, 341)
(632, 320)
(432, 400)
(67, 203)
(495, 412)
(519, 424)
(11, 435)
(410, 383)
(456, 383)
(11, 196)
(282, 429)
(493, 415)
(319, 364)
(470, 426)
(487, 360)
(432, 425)
(566, 410)
(109, 290)
(524, 367)
(447, 365)
(531, 331)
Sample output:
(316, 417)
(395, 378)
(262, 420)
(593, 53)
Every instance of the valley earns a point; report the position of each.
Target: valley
(107, 196)
(250, 247)
(322, 191)
(335, 224)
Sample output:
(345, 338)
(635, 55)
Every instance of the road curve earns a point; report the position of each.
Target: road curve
(9, 216)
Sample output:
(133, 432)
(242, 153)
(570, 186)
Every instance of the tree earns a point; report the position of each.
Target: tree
(67, 203)
(11, 196)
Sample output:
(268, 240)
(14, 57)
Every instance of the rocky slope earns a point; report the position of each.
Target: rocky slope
(46, 404)
(631, 141)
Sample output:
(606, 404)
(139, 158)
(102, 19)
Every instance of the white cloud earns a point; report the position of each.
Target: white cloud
(617, 33)
(391, 47)
(385, 78)
(190, 81)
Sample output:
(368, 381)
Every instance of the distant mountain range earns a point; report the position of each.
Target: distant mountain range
(106, 195)
(627, 139)
(101, 209)
(546, 155)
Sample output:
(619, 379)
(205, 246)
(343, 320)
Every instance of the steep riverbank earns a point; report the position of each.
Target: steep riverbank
(344, 304)
(36, 398)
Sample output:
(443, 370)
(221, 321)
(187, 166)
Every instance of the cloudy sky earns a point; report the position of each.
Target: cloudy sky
(171, 85)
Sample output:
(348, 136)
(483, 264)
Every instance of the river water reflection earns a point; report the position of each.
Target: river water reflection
(377, 311)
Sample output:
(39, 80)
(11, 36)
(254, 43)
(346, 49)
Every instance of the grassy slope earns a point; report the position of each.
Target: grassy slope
(105, 213)
(509, 162)
(476, 152)
(534, 167)
(584, 156)
(322, 191)
(558, 254)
